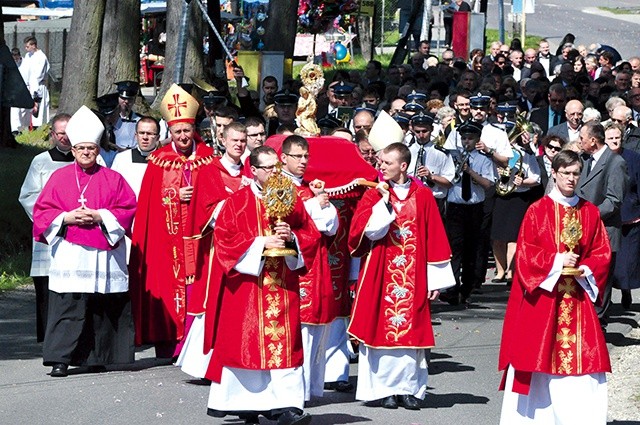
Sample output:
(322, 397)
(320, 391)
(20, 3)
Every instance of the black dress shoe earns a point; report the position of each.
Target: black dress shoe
(291, 418)
(340, 386)
(389, 402)
(626, 299)
(59, 370)
(451, 298)
(252, 420)
(409, 402)
(97, 369)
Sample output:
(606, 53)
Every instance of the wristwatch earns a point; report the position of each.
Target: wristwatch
(491, 151)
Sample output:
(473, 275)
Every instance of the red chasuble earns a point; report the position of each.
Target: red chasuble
(554, 332)
(339, 257)
(214, 185)
(161, 258)
(392, 307)
(317, 298)
(253, 322)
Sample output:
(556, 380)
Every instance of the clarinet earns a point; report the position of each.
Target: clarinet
(420, 161)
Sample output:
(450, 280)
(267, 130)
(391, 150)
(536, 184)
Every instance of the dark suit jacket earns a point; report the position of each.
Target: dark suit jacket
(605, 187)
(632, 140)
(544, 177)
(631, 205)
(540, 116)
(538, 191)
(560, 130)
(553, 61)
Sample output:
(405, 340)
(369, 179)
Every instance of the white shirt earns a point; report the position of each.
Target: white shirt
(481, 165)
(437, 162)
(133, 172)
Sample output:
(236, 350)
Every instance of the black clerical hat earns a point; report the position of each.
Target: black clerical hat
(470, 127)
(329, 121)
(213, 98)
(285, 97)
(341, 89)
(127, 89)
(479, 101)
(107, 103)
(422, 118)
(413, 106)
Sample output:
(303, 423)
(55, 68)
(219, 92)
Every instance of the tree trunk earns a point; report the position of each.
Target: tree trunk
(80, 78)
(119, 54)
(366, 37)
(194, 60)
(280, 34)
(6, 138)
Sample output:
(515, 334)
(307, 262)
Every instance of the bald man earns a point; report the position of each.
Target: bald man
(570, 129)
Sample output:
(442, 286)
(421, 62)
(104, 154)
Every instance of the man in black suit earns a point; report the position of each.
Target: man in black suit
(569, 130)
(338, 95)
(545, 57)
(285, 107)
(554, 113)
(604, 182)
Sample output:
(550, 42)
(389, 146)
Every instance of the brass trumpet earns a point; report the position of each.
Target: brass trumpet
(505, 183)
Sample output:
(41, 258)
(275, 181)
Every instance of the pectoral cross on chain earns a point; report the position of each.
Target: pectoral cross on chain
(178, 300)
(82, 201)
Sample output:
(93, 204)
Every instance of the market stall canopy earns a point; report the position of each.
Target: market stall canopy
(64, 9)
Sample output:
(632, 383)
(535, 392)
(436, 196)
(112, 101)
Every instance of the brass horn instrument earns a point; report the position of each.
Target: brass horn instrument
(506, 175)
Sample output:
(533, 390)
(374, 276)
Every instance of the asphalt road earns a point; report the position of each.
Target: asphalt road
(462, 384)
(555, 18)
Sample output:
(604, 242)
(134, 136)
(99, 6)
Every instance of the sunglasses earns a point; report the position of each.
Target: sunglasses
(555, 148)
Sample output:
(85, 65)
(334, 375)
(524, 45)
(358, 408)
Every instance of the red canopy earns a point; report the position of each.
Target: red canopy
(335, 161)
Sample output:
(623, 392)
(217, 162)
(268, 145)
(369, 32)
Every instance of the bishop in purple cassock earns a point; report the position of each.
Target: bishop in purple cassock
(83, 213)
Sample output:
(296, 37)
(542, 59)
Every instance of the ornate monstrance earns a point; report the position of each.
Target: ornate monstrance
(312, 78)
(279, 198)
(570, 236)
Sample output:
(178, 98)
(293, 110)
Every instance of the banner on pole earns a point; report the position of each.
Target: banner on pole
(529, 6)
(367, 7)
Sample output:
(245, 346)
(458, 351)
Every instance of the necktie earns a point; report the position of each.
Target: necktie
(587, 164)
(466, 186)
(556, 118)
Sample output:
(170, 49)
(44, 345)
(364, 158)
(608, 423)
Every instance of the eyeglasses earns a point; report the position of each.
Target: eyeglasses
(265, 167)
(298, 157)
(555, 148)
(86, 148)
(262, 133)
(147, 133)
(360, 127)
(565, 174)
